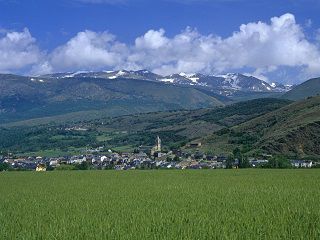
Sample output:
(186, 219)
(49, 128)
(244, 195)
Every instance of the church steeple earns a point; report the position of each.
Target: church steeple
(158, 144)
(157, 147)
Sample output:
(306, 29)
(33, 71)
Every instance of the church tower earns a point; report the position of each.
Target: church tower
(157, 147)
(158, 144)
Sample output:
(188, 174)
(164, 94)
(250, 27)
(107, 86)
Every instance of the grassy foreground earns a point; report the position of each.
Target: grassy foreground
(205, 204)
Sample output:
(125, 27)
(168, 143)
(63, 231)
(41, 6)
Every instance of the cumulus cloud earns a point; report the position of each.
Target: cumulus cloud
(17, 50)
(262, 47)
(89, 50)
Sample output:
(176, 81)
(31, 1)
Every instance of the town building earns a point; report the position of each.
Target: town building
(41, 168)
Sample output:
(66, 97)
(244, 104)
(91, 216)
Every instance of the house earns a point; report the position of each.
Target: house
(301, 163)
(125, 155)
(41, 168)
(158, 154)
(77, 159)
(216, 164)
(141, 155)
(104, 159)
(258, 162)
(222, 158)
(199, 155)
(54, 162)
(211, 157)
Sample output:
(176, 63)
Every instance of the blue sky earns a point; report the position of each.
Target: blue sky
(48, 36)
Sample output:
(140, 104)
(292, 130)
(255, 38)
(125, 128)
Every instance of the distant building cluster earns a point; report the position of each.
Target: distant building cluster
(148, 157)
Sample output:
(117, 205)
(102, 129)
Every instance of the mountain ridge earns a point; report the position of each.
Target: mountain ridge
(222, 84)
(24, 98)
(121, 92)
(308, 88)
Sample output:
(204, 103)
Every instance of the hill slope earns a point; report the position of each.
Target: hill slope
(293, 130)
(26, 98)
(307, 89)
(124, 133)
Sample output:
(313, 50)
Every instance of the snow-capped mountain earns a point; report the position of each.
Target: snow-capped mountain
(141, 74)
(223, 84)
(227, 82)
(282, 87)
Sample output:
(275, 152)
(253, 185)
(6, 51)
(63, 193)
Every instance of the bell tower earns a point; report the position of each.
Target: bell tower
(158, 144)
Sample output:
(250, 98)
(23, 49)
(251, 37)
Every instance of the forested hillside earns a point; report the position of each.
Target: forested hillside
(176, 128)
(292, 130)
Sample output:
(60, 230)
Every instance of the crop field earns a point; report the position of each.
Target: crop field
(192, 204)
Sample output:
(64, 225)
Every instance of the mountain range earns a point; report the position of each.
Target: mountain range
(222, 84)
(270, 126)
(90, 95)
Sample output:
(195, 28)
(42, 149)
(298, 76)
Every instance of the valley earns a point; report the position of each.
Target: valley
(63, 114)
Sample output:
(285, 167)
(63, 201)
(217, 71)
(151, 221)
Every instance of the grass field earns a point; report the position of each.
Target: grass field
(205, 204)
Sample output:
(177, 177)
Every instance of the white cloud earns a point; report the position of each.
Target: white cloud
(263, 47)
(17, 50)
(90, 50)
(152, 40)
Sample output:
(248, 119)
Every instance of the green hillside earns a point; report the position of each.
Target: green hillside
(292, 130)
(176, 128)
(258, 126)
(307, 89)
(25, 98)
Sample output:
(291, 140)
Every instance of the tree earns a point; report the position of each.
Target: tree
(4, 167)
(243, 161)
(82, 166)
(49, 167)
(237, 155)
(279, 162)
(229, 161)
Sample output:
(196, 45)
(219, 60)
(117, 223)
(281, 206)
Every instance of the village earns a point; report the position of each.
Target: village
(148, 157)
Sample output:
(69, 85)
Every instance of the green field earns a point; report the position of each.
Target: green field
(206, 204)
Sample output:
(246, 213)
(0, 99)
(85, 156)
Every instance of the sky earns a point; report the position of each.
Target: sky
(275, 40)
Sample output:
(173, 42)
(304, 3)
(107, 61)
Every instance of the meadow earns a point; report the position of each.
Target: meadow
(163, 204)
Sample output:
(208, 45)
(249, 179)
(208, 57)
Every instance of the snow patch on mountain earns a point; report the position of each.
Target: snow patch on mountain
(171, 80)
(36, 80)
(74, 74)
(191, 76)
(229, 82)
(117, 74)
